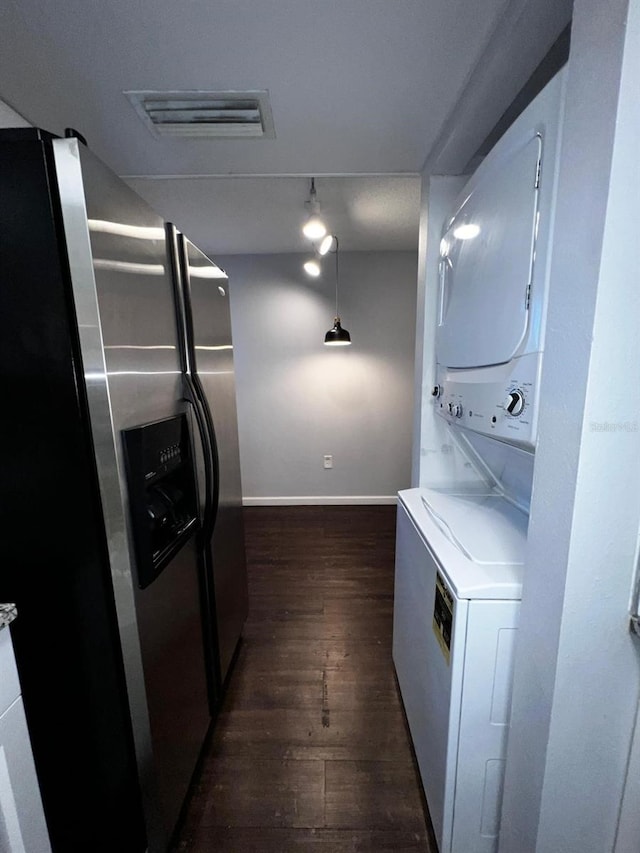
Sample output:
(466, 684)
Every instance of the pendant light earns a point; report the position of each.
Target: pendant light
(337, 336)
(314, 228)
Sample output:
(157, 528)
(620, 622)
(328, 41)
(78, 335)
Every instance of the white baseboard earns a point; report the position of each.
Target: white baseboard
(324, 500)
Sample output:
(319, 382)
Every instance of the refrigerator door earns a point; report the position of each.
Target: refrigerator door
(55, 526)
(118, 256)
(208, 315)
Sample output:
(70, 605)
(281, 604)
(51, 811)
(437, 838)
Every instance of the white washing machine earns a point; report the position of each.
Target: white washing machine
(494, 279)
(458, 583)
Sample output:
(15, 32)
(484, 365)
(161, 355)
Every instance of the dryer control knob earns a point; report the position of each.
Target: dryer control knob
(514, 404)
(437, 391)
(455, 409)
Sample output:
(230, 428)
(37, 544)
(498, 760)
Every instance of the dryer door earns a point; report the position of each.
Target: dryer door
(486, 260)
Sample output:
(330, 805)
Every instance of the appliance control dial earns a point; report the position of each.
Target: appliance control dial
(455, 409)
(437, 391)
(514, 404)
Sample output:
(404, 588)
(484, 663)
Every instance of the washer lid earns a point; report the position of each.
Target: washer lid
(486, 528)
(486, 260)
(482, 526)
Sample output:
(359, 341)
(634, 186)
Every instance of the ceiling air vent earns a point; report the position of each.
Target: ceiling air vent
(225, 115)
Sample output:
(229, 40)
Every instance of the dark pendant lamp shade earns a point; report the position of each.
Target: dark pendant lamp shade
(337, 337)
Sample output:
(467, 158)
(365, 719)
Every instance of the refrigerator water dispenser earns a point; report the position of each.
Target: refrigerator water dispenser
(162, 492)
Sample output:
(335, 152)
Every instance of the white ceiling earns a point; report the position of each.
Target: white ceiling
(362, 92)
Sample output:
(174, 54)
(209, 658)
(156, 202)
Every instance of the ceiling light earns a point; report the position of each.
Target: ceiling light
(312, 268)
(467, 231)
(326, 245)
(337, 336)
(314, 228)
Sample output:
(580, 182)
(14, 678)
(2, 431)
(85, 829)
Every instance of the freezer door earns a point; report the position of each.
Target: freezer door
(207, 298)
(123, 297)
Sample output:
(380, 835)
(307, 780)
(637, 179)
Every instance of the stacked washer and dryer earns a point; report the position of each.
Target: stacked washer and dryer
(460, 553)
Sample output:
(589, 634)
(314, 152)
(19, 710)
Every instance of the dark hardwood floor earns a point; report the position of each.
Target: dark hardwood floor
(310, 750)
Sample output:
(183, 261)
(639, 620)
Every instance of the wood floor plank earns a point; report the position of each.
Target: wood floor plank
(283, 655)
(289, 689)
(352, 689)
(276, 840)
(362, 655)
(250, 791)
(306, 734)
(347, 654)
(359, 607)
(288, 628)
(372, 794)
(319, 628)
(287, 603)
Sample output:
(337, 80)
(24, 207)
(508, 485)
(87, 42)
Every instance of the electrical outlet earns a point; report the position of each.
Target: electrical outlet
(328, 461)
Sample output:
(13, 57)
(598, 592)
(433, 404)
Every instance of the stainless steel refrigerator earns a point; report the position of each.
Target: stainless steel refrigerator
(124, 546)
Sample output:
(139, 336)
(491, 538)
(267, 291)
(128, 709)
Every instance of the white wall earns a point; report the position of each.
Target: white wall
(10, 118)
(299, 400)
(577, 678)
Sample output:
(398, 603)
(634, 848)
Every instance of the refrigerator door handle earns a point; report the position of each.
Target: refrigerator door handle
(213, 463)
(210, 489)
(195, 392)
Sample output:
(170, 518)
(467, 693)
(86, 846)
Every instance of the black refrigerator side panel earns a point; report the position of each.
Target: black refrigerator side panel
(54, 553)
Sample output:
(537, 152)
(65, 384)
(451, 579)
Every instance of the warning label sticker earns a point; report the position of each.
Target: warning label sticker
(443, 616)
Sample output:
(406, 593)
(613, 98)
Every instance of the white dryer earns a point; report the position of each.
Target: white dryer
(458, 583)
(494, 279)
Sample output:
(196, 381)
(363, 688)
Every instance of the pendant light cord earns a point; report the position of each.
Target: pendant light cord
(336, 239)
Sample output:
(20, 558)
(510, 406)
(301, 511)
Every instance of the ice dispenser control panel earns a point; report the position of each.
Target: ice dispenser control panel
(162, 493)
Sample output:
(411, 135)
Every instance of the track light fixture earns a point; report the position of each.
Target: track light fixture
(336, 336)
(314, 228)
(312, 268)
(326, 244)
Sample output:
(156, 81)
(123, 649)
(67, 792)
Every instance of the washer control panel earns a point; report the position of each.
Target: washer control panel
(500, 401)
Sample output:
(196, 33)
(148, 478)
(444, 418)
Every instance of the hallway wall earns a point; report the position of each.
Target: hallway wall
(299, 400)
